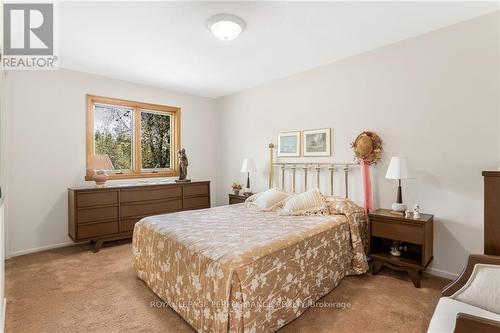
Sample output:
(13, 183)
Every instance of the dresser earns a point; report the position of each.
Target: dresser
(491, 212)
(110, 213)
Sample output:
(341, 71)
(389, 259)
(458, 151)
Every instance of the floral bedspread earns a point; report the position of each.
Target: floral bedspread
(237, 269)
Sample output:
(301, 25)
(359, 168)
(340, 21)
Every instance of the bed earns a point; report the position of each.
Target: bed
(240, 269)
(237, 269)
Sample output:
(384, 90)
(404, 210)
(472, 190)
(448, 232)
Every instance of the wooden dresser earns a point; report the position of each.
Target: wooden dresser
(491, 212)
(110, 213)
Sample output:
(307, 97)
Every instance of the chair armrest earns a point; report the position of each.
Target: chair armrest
(467, 323)
(462, 279)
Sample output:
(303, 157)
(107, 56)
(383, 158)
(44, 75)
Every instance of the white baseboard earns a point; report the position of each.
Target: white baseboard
(39, 249)
(441, 273)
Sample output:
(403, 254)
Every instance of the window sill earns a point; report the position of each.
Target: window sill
(138, 175)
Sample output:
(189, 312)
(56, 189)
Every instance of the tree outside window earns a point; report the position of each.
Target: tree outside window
(140, 139)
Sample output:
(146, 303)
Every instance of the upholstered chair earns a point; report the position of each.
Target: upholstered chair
(471, 303)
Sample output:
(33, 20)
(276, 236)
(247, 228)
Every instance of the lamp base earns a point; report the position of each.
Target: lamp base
(100, 178)
(248, 192)
(398, 207)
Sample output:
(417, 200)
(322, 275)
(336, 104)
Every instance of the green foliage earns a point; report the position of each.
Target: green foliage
(113, 136)
(155, 140)
(119, 149)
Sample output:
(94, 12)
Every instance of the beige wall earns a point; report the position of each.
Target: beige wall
(46, 146)
(433, 98)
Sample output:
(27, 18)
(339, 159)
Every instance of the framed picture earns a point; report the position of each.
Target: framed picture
(289, 144)
(317, 142)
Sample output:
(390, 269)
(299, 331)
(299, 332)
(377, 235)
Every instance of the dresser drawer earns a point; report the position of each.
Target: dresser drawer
(196, 202)
(196, 189)
(97, 214)
(128, 224)
(147, 194)
(97, 230)
(150, 208)
(405, 232)
(96, 198)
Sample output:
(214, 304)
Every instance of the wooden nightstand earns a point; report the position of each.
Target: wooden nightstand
(236, 199)
(416, 235)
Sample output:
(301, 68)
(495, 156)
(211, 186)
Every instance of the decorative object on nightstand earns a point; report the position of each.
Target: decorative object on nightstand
(396, 248)
(248, 166)
(416, 212)
(398, 169)
(100, 164)
(236, 187)
(236, 199)
(412, 239)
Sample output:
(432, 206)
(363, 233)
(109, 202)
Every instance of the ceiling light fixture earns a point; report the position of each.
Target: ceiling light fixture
(226, 26)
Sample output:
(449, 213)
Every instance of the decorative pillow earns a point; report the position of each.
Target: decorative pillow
(307, 203)
(253, 197)
(341, 205)
(268, 200)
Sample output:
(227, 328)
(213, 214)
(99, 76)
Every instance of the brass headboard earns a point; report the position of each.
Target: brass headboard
(317, 167)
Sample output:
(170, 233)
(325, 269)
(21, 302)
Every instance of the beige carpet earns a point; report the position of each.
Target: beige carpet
(74, 290)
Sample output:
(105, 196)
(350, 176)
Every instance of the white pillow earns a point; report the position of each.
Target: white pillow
(308, 203)
(270, 199)
(251, 199)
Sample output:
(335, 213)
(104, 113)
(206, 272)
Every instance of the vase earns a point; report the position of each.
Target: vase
(236, 192)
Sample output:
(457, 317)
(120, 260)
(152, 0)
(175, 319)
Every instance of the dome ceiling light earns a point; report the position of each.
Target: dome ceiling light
(226, 26)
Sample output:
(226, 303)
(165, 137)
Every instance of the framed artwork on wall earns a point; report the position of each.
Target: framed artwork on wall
(317, 142)
(289, 144)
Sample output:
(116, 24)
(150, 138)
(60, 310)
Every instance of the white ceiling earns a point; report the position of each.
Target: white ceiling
(167, 44)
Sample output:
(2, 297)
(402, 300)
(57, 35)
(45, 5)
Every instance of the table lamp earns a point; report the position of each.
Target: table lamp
(398, 169)
(100, 163)
(248, 166)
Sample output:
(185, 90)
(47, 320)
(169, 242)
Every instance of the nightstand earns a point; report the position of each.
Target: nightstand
(236, 199)
(417, 238)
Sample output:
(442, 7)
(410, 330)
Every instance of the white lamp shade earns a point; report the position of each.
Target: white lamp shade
(248, 165)
(398, 168)
(101, 162)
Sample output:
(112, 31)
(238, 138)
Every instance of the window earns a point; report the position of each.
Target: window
(155, 140)
(140, 139)
(113, 128)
